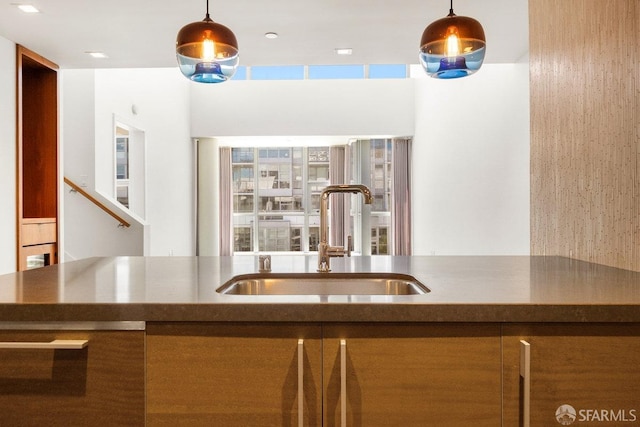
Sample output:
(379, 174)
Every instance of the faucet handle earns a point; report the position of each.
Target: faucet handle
(265, 263)
(349, 245)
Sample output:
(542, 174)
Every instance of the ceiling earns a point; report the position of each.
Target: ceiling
(141, 33)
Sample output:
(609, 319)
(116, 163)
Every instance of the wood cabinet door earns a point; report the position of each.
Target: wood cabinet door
(99, 385)
(579, 374)
(412, 375)
(220, 374)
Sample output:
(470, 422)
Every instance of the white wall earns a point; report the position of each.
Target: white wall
(7, 156)
(78, 130)
(471, 164)
(162, 112)
(208, 200)
(470, 151)
(88, 231)
(303, 107)
(92, 99)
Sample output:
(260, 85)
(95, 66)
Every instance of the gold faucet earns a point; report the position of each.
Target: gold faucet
(325, 252)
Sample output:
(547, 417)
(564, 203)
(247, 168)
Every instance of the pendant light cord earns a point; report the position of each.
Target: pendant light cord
(450, 8)
(208, 18)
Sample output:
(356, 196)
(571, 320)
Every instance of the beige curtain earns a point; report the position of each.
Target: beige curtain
(401, 196)
(226, 203)
(337, 202)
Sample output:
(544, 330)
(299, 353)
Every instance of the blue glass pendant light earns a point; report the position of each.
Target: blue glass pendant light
(452, 47)
(207, 52)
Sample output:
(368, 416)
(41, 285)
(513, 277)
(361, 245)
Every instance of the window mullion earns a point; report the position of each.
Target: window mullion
(256, 200)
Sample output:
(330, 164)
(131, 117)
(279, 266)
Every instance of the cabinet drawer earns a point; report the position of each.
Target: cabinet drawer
(582, 373)
(100, 384)
(38, 233)
(233, 375)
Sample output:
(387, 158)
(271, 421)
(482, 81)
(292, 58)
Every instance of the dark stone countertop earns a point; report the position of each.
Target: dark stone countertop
(463, 289)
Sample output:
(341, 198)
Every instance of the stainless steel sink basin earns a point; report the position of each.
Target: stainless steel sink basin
(323, 284)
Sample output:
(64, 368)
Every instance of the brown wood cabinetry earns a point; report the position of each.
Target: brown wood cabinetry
(585, 372)
(39, 231)
(213, 374)
(247, 374)
(37, 162)
(101, 384)
(413, 375)
(330, 374)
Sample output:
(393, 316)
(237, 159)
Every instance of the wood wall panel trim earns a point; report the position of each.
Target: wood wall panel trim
(585, 131)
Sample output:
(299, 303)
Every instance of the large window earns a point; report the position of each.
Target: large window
(380, 185)
(276, 197)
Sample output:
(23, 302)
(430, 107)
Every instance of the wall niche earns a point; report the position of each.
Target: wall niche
(37, 160)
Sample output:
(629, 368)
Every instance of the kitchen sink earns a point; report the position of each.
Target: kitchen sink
(323, 284)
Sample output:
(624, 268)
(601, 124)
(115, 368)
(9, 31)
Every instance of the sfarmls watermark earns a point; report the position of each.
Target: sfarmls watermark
(567, 415)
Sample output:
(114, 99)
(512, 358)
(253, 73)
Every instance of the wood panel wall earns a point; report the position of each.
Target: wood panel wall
(585, 130)
(39, 98)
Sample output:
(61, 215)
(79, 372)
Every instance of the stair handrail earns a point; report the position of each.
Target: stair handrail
(75, 187)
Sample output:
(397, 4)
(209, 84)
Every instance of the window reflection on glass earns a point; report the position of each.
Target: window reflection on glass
(242, 203)
(122, 157)
(276, 195)
(243, 178)
(314, 238)
(122, 195)
(37, 261)
(242, 155)
(380, 226)
(376, 157)
(274, 235)
(381, 174)
(318, 154)
(279, 202)
(242, 239)
(314, 196)
(122, 165)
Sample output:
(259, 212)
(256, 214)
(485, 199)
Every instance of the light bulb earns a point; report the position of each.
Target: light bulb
(452, 48)
(208, 50)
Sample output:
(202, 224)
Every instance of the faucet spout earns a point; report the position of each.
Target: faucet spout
(325, 251)
(348, 188)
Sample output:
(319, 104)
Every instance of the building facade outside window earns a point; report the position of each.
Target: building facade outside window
(276, 195)
(380, 185)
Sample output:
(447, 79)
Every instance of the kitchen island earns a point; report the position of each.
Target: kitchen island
(496, 341)
(463, 289)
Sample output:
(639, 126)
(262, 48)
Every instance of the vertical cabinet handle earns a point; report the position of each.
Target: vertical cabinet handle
(343, 383)
(52, 345)
(300, 382)
(525, 373)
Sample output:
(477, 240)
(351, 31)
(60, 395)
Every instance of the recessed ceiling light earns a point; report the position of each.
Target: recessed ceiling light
(27, 8)
(344, 51)
(271, 35)
(100, 55)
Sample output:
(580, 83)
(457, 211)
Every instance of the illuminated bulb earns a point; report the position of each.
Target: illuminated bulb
(208, 50)
(452, 47)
